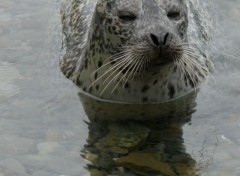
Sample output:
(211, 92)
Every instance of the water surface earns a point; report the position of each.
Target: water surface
(42, 128)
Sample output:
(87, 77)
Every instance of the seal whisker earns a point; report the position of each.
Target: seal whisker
(189, 62)
(190, 50)
(139, 67)
(143, 55)
(184, 45)
(128, 60)
(138, 61)
(116, 71)
(198, 64)
(131, 57)
(180, 65)
(124, 75)
(195, 55)
(136, 56)
(145, 65)
(194, 72)
(189, 75)
(123, 62)
(115, 77)
(183, 69)
(190, 70)
(111, 61)
(117, 64)
(203, 72)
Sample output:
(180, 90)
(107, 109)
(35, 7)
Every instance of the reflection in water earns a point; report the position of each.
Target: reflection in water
(132, 147)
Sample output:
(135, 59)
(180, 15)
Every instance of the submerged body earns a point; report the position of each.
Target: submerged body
(136, 51)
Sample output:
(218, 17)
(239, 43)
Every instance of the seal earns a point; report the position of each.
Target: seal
(133, 51)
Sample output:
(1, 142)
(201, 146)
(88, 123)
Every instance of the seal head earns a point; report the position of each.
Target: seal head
(136, 51)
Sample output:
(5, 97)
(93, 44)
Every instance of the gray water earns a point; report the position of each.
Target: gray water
(42, 128)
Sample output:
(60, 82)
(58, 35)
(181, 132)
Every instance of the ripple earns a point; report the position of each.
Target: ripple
(8, 74)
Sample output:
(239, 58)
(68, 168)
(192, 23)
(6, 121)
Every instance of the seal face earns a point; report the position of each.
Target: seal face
(134, 51)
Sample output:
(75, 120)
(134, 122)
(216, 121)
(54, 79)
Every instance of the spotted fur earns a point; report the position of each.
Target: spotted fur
(96, 32)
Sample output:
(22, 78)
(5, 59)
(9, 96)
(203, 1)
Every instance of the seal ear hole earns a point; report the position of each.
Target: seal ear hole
(126, 16)
(175, 15)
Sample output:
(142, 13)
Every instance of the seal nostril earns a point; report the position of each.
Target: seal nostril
(165, 38)
(154, 39)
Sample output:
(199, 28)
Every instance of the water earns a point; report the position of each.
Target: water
(42, 122)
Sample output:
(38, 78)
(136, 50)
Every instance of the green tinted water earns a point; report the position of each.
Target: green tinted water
(42, 128)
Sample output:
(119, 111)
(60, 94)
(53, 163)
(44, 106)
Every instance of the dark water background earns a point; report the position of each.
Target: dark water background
(42, 127)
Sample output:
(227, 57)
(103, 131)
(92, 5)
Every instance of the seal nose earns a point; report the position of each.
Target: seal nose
(158, 41)
(154, 39)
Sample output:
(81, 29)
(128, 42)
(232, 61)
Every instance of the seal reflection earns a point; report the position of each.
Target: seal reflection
(140, 147)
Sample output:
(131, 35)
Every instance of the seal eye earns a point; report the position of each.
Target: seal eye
(127, 16)
(173, 15)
